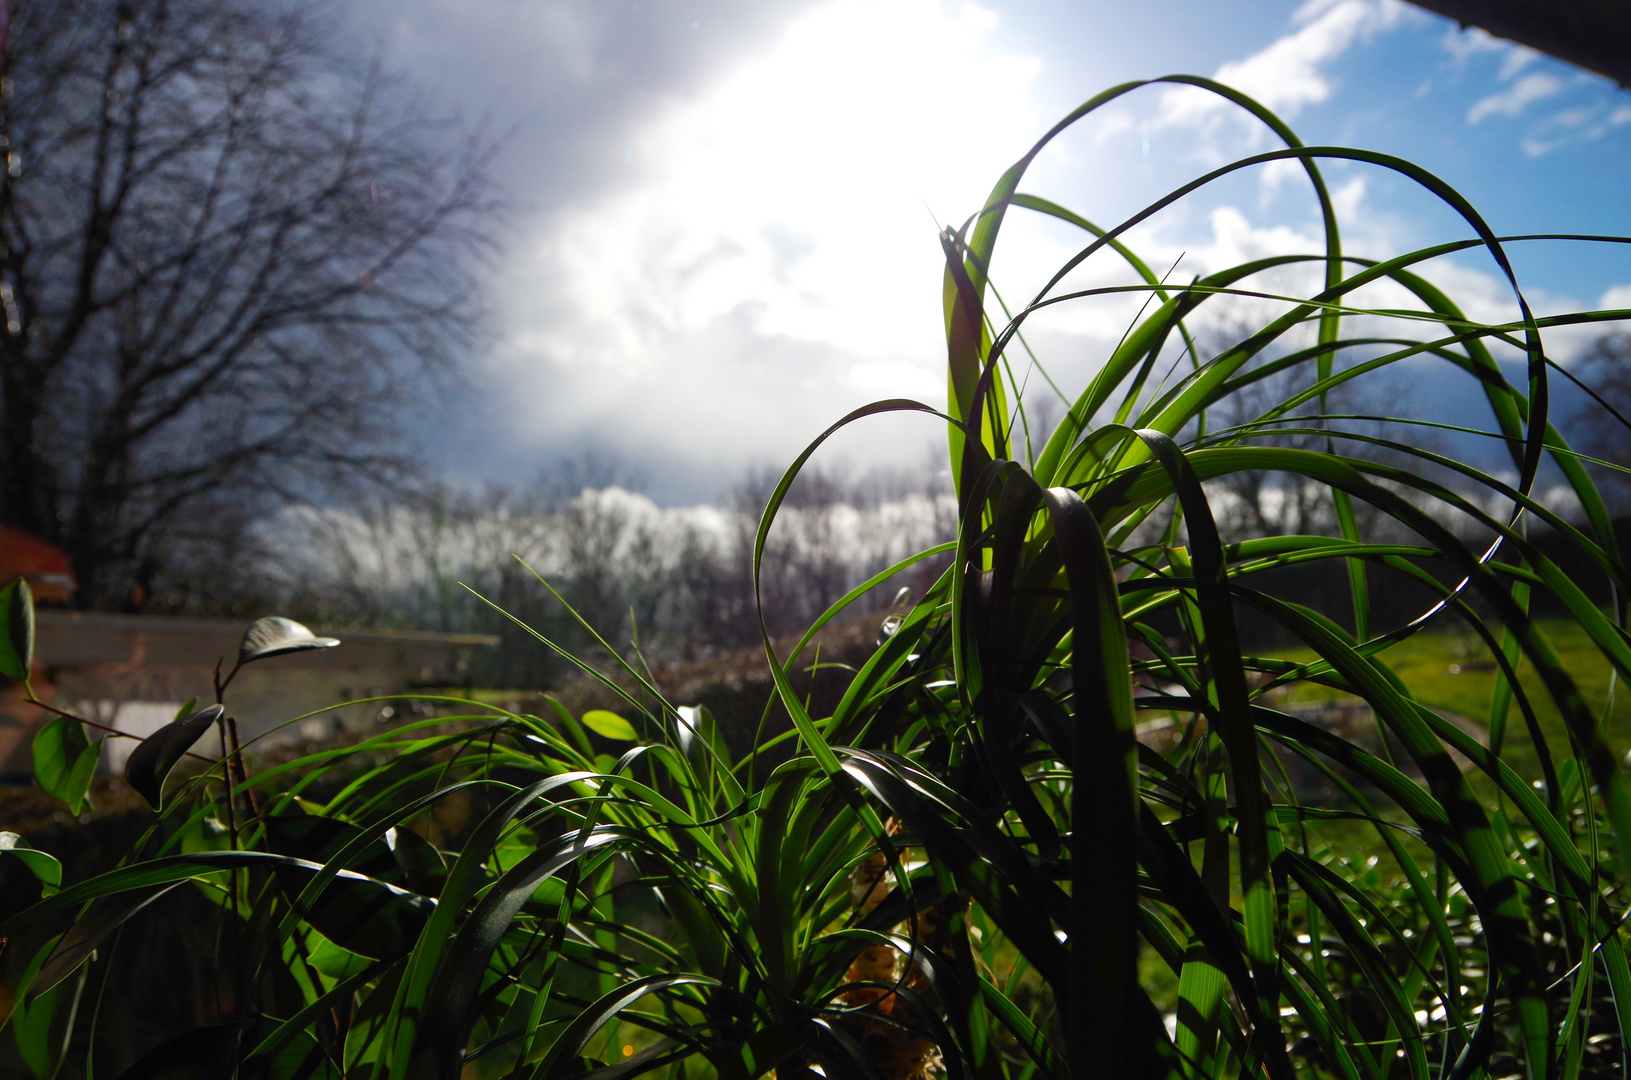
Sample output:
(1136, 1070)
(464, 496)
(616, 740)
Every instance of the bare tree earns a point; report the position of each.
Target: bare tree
(225, 255)
(1603, 428)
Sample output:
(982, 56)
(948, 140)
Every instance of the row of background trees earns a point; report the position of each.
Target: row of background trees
(677, 581)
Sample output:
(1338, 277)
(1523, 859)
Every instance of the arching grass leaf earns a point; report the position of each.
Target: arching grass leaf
(988, 800)
(302, 1058)
(101, 919)
(205, 1053)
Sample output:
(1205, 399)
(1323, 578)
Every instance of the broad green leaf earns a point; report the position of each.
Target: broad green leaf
(423, 867)
(321, 839)
(206, 832)
(33, 1022)
(609, 725)
(276, 636)
(43, 866)
(516, 845)
(334, 961)
(363, 916)
(65, 761)
(16, 630)
(150, 763)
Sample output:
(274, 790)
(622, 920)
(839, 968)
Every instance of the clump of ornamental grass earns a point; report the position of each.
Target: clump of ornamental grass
(976, 864)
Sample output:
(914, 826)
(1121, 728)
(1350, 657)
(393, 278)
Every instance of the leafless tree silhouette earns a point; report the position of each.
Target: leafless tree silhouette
(226, 252)
(1603, 428)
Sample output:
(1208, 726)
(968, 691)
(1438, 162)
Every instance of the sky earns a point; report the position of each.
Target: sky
(725, 235)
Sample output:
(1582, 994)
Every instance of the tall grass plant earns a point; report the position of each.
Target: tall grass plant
(987, 861)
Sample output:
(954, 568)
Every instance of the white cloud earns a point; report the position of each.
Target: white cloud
(1582, 123)
(1464, 43)
(1614, 298)
(1346, 199)
(1575, 124)
(898, 378)
(1471, 279)
(767, 261)
(1236, 240)
(775, 262)
(1517, 97)
(1290, 72)
(1517, 58)
(1274, 176)
(1568, 343)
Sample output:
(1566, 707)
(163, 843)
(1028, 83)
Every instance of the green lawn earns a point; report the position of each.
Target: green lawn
(1452, 670)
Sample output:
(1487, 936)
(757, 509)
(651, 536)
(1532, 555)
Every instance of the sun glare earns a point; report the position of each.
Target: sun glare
(802, 192)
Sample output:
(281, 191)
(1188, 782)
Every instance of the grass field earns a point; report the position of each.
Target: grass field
(1451, 670)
